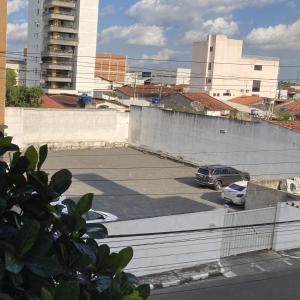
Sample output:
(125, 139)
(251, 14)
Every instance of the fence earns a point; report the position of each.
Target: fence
(197, 242)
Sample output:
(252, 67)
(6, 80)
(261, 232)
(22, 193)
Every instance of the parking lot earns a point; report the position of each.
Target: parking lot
(132, 184)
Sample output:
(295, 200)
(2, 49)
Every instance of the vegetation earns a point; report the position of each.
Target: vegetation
(21, 96)
(47, 255)
(284, 116)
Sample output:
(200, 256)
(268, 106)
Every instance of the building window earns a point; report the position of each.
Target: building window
(218, 94)
(256, 86)
(208, 80)
(211, 48)
(209, 66)
(258, 67)
(227, 94)
(214, 94)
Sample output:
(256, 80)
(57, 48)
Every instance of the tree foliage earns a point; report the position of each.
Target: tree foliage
(284, 116)
(21, 96)
(46, 254)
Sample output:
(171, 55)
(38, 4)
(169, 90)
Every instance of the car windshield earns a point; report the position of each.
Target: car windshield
(203, 171)
(237, 187)
(92, 215)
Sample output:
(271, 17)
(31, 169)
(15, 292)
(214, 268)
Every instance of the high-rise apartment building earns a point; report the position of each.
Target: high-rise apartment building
(62, 38)
(220, 69)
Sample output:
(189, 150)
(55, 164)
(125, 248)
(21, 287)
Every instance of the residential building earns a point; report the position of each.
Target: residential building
(111, 67)
(292, 92)
(134, 78)
(3, 16)
(221, 69)
(19, 66)
(196, 103)
(171, 77)
(62, 38)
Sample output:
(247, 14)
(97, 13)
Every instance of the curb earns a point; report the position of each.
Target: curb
(191, 278)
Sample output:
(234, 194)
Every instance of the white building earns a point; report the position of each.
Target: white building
(62, 38)
(172, 77)
(220, 69)
(19, 66)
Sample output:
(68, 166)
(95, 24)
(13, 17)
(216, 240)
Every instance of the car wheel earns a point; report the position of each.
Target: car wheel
(218, 185)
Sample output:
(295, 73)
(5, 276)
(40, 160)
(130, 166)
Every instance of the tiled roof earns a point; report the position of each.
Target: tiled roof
(210, 103)
(293, 108)
(66, 100)
(294, 125)
(247, 100)
(147, 90)
(47, 102)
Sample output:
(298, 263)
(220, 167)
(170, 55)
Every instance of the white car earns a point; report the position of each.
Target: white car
(235, 193)
(92, 216)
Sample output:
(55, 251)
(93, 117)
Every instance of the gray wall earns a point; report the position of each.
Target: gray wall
(263, 149)
(259, 196)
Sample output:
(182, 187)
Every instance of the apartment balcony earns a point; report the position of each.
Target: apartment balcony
(61, 15)
(58, 54)
(64, 41)
(60, 3)
(58, 66)
(50, 78)
(63, 29)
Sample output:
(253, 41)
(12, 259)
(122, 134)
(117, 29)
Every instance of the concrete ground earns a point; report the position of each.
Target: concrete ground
(132, 184)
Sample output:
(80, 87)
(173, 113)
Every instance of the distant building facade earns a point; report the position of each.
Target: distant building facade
(62, 38)
(220, 69)
(19, 66)
(171, 77)
(111, 67)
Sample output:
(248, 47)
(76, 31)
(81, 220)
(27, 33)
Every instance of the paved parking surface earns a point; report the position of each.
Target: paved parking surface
(132, 184)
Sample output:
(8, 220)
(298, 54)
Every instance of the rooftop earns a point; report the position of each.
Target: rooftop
(48, 102)
(293, 108)
(247, 100)
(147, 90)
(293, 125)
(210, 103)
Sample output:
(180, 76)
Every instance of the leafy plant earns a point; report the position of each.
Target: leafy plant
(284, 116)
(48, 255)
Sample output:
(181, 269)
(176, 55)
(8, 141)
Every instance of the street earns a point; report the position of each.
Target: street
(280, 285)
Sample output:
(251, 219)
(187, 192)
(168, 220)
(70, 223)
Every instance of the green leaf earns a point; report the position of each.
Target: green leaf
(67, 291)
(102, 256)
(12, 264)
(134, 296)
(61, 181)
(118, 261)
(127, 255)
(5, 141)
(84, 204)
(27, 236)
(144, 290)
(45, 267)
(32, 156)
(21, 165)
(43, 153)
(46, 295)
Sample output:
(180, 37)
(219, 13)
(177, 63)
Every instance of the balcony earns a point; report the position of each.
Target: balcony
(61, 15)
(58, 53)
(58, 66)
(64, 29)
(50, 78)
(65, 41)
(60, 3)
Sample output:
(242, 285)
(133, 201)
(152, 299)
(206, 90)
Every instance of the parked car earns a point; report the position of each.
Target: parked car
(217, 176)
(235, 193)
(92, 216)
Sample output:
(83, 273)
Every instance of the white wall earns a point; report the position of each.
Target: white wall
(155, 254)
(287, 236)
(67, 128)
(86, 51)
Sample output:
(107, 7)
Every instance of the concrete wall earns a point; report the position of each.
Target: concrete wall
(263, 149)
(259, 196)
(68, 128)
(155, 254)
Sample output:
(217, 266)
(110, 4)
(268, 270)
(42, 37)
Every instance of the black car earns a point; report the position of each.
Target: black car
(217, 176)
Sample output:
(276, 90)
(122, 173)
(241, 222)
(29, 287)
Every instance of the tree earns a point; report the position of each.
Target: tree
(11, 78)
(49, 255)
(283, 115)
(21, 96)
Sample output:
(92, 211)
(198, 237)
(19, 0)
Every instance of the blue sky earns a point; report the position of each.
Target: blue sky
(166, 29)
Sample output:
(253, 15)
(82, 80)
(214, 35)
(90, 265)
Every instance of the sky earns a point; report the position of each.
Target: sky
(166, 29)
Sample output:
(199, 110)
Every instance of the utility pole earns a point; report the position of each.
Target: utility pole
(3, 17)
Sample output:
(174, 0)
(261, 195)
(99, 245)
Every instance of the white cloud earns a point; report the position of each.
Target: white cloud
(187, 12)
(279, 37)
(108, 10)
(217, 26)
(16, 33)
(164, 54)
(137, 34)
(14, 6)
